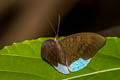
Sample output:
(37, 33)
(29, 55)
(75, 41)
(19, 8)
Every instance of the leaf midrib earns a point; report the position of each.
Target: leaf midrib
(93, 73)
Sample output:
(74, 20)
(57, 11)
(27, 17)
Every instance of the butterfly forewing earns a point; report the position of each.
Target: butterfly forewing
(54, 55)
(49, 52)
(82, 45)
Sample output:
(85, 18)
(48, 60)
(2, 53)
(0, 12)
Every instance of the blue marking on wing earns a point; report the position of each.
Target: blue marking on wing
(78, 64)
(61, 68)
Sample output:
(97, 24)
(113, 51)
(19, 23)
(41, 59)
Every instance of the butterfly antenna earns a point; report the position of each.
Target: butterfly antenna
(58, 26)
(56, 33)
(52, 27)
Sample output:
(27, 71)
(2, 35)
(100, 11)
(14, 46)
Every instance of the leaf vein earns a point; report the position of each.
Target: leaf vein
(97, 72)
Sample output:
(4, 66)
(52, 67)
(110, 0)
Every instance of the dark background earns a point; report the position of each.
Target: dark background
(101, 16)
(25, 19)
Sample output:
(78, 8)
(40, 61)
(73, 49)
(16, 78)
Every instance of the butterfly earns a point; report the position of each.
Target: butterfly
(73, 53)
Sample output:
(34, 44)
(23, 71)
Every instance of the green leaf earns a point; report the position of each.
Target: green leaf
(22, 61)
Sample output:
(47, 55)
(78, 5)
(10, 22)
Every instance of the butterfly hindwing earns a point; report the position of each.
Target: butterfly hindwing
(80, 48)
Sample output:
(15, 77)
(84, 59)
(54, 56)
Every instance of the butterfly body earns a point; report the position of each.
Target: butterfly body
(72, 53)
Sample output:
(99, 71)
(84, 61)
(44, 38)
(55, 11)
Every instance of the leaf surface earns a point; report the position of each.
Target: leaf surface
(22, 61)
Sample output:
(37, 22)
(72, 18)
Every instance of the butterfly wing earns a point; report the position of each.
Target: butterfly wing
(53, 55)
(80, 48)
(49, 52)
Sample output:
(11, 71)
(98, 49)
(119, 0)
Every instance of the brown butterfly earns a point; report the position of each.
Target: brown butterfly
(72, 53)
